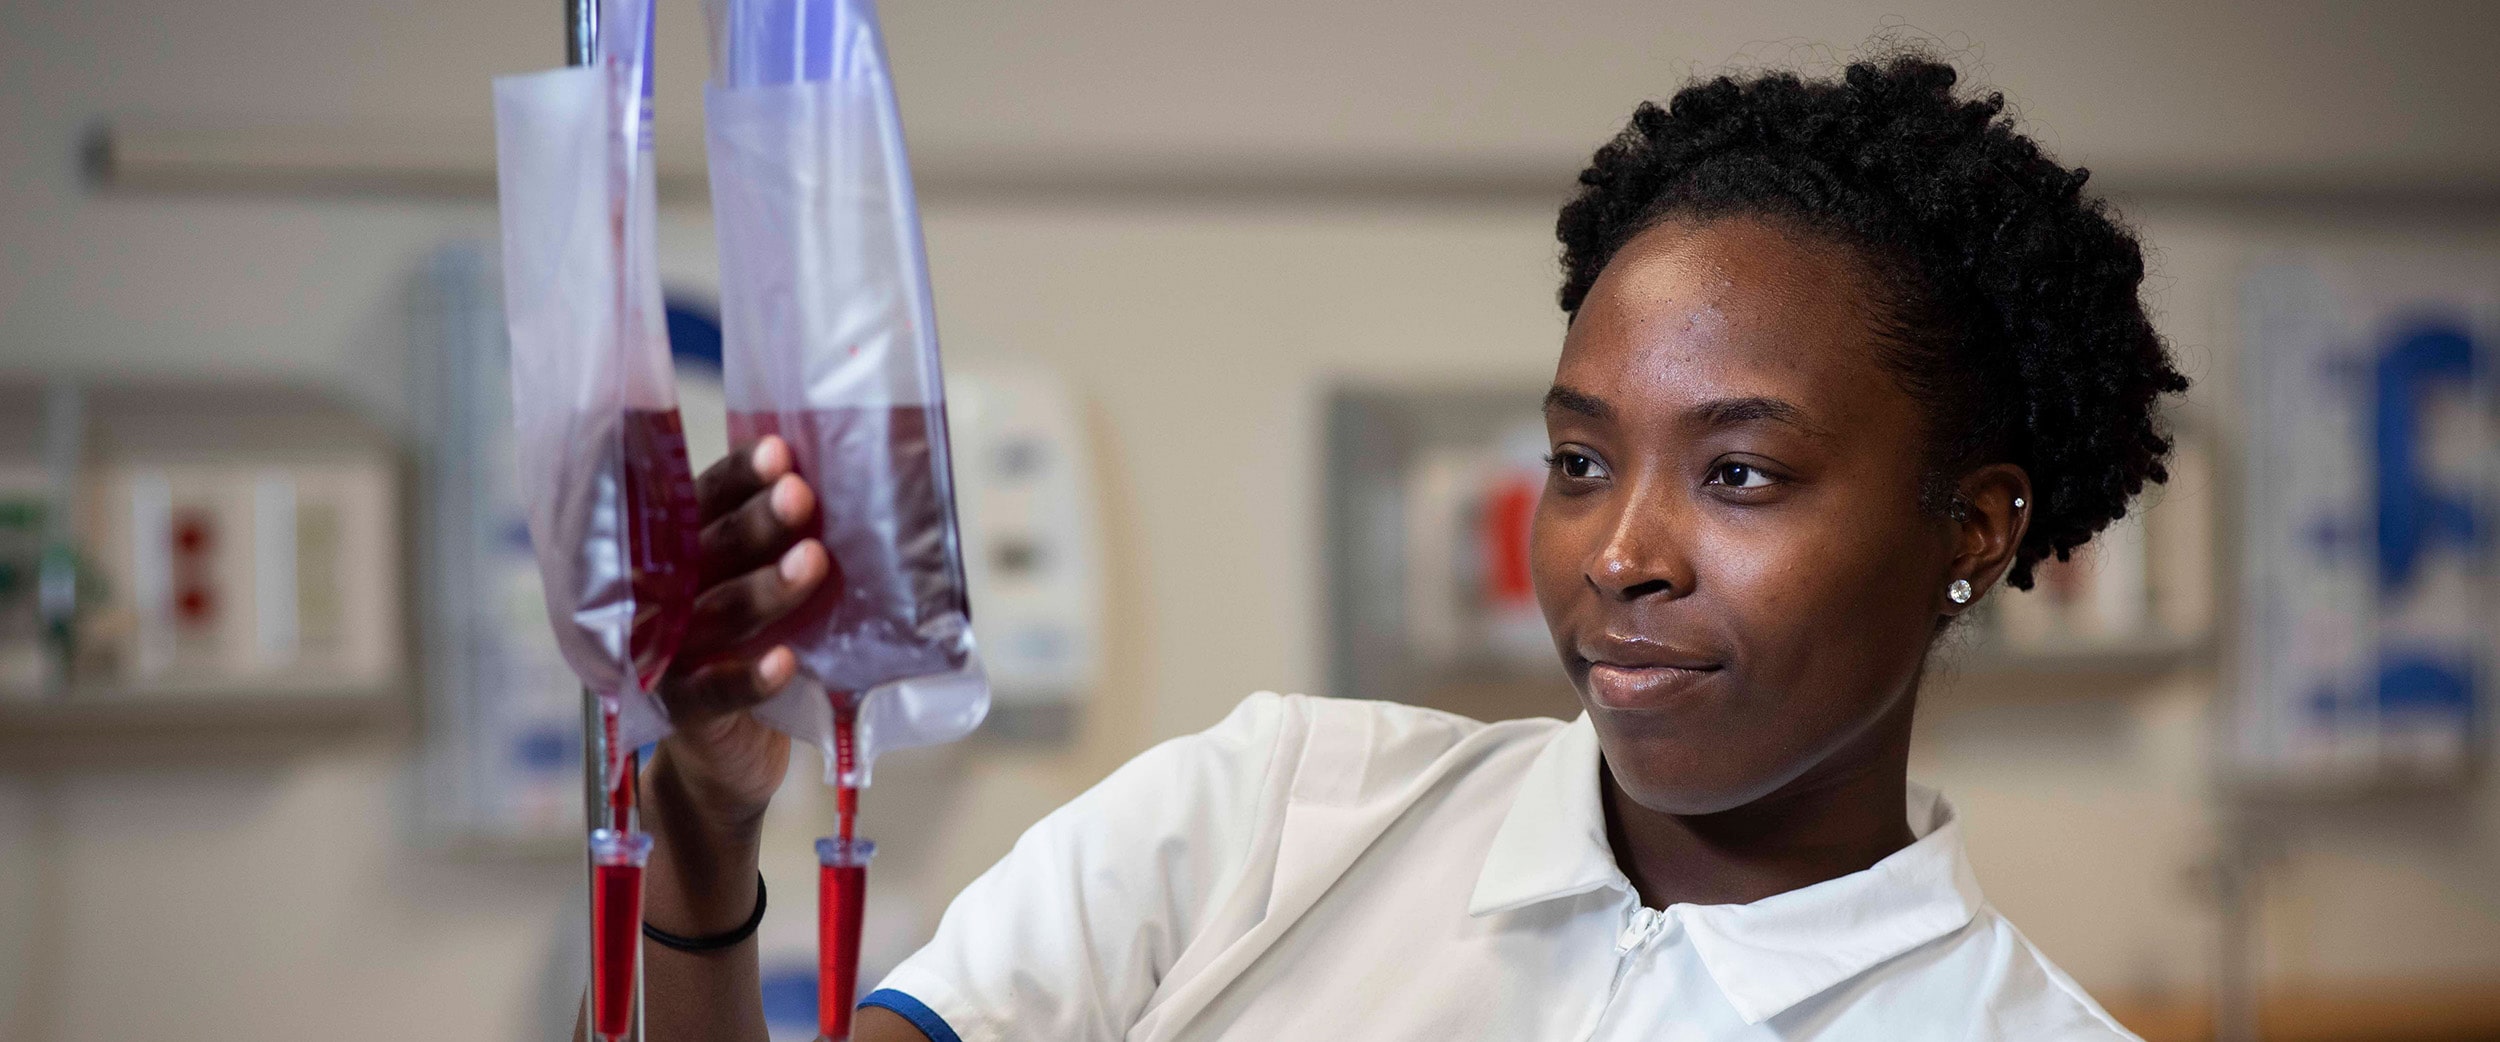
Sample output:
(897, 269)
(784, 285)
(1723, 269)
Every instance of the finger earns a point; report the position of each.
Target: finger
(742, 473)
(733, 612)
(758, 532)
(727, 686)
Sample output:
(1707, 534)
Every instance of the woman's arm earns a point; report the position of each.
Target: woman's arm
(1063, 939)
(705, 790)
(701, 882)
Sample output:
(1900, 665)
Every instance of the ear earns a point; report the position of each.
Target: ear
(1988, 527)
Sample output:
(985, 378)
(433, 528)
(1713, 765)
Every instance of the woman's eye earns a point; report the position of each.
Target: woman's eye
(1575, 465)
(1739, 475)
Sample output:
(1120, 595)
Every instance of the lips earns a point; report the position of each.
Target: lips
(1633, 673)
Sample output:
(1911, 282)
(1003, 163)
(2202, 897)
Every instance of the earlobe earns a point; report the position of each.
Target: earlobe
(1992, 510)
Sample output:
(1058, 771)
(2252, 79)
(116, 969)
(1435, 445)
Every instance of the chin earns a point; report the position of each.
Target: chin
(1681, 771)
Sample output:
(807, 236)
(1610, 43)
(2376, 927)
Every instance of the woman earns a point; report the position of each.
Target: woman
(1842, 356)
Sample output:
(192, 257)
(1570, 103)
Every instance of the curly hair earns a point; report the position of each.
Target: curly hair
(2006, 298)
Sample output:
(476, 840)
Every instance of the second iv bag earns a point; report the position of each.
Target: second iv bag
(829, 341)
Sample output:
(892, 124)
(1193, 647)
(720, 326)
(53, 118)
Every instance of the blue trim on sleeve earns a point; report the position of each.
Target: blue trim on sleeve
(911, 1009)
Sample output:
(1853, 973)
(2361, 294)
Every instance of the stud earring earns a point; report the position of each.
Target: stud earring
(1959, 591)
(2018, 502)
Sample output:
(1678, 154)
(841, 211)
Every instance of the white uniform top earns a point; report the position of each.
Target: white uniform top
(1337, 870)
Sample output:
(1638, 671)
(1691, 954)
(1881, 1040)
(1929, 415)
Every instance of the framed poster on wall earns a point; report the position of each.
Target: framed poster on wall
(2368, 623)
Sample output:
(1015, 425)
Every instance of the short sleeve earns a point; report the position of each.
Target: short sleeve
(1067, 936)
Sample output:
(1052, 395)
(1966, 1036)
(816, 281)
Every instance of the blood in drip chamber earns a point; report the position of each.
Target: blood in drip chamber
(617, 860)
(841, 892)
(842, 887)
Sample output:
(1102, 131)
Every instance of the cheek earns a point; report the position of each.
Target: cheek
(1825, 638)
(1558, 548)
(1819, 596)
(1764, 576)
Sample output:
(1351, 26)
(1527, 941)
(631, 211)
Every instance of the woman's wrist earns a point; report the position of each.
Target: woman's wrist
(703, 863)
(698, 797)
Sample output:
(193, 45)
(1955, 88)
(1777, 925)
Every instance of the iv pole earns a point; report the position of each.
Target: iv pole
(581, 31)
(581, 39)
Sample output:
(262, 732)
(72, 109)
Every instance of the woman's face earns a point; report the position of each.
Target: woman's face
(1730, 549)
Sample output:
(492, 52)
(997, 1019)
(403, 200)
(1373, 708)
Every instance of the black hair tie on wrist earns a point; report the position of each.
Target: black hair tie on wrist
(716, 941)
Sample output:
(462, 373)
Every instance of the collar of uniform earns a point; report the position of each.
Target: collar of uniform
(1552, 843)
(1765, 956)
(1784, 949)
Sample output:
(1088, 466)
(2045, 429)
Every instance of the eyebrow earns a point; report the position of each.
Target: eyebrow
(1720, 412)
(1729, 412)
(1582, 402)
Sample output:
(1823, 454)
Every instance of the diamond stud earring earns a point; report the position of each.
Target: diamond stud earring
(2018, 502)
(1959, 591)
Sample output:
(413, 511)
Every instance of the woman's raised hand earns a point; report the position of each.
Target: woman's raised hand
(705, 791)
(757, 565)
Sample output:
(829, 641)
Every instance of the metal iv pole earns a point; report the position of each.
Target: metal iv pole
(581, 31)
(581, 44)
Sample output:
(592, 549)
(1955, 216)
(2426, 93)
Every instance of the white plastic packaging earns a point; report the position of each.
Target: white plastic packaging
(603, 468)
(829, 341)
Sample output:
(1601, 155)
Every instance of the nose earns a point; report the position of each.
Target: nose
(1642, 555)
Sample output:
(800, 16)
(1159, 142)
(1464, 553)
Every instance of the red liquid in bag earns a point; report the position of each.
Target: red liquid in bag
(840, 890)
(616, 934)
(894, 606)
(662, 523)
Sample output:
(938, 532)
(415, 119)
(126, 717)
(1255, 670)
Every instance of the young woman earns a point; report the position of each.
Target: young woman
(1843, 355)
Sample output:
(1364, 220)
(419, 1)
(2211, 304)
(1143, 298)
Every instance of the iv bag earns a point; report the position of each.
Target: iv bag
(829, 341)
(603, 469)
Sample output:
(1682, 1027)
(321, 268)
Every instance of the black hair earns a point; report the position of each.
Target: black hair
(2007, 298)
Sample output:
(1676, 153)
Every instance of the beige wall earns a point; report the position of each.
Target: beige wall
(277, 893)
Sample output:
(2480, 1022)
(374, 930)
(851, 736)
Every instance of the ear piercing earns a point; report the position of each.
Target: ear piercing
(1958, 591)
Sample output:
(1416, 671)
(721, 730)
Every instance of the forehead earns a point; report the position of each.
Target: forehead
(1736, 307)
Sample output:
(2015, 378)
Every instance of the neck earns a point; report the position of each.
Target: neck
(1842, 816)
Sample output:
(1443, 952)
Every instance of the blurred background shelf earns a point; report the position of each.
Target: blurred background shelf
(247, 732)
(2131, 659)
(196, 561)
(81, 715)
(2394, 1011)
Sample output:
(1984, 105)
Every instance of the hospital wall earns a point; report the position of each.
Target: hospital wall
(274, 887)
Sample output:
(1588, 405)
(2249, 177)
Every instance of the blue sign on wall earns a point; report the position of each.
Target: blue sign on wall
(2369, 627)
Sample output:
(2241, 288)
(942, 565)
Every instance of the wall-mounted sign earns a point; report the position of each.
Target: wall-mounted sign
(2368, 624)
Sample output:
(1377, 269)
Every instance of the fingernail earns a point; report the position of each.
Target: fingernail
(798, 564)
(771, 457)
(790, 499)
(775, 667)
